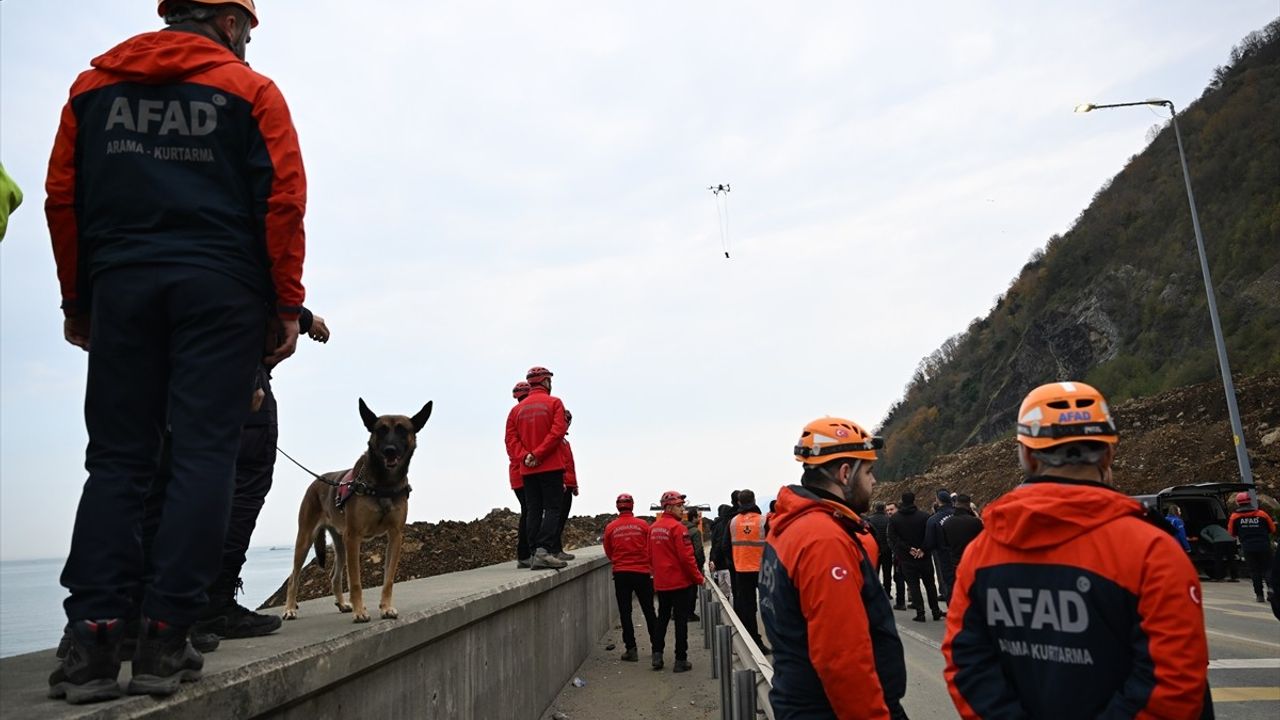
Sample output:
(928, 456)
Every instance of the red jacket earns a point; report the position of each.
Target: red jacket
(671, 555)
(570, 472)
(537, 426)
(626, 544)
(1071, 604)
(171, 150)
(514, 458)
(836, 650)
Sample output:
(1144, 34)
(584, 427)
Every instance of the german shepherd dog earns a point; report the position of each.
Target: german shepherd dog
(370, 499)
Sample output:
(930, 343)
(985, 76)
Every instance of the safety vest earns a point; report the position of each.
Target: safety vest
(747, 536)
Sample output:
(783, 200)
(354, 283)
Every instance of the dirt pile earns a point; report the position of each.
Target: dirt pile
(438, 548)
(1175, 438)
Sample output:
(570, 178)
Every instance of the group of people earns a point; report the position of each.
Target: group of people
(1248, 532)
(175, 203)
(921, 550)
(541, 471)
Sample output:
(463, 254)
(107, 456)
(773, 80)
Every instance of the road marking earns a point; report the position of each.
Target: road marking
(922, 638)
(1241, 638)
(1244, 664)
(1245, 694)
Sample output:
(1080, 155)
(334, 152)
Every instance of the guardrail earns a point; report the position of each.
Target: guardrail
(745, 674)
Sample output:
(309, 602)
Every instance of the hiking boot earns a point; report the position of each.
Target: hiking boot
(900, 606)
(939, 614)
(631, 655)
(682, 666)
(657, 661)
(545, 560)
(164, 659)
(522, 563)
(234, 621)
(919, 617)
(89, 667)
(565, 556)
(693, 617)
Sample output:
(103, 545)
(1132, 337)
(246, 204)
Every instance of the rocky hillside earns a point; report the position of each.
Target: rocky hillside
(1173, 438)
(1118, 300)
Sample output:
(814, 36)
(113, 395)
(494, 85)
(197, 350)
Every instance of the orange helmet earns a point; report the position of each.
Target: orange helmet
(1065, 412)
(830, 438)
(247, 5)
(671, 497)
(521, 390)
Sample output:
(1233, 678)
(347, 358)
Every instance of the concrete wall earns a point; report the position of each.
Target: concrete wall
(494, 642)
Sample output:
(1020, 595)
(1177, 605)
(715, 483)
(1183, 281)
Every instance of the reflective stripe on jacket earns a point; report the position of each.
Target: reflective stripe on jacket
(1072, 604)
(746, 534)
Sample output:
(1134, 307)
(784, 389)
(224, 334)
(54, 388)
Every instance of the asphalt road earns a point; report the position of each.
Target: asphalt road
(1244, 658)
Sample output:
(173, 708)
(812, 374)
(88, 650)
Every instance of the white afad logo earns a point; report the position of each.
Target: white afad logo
(839, 573)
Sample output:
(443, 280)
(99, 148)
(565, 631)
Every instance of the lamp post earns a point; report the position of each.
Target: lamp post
(1237, 432)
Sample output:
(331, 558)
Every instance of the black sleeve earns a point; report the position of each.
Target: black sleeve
(305, 318)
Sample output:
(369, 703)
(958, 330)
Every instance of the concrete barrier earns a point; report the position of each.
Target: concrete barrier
(494, 642)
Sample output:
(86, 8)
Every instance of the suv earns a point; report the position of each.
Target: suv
(1202, 504)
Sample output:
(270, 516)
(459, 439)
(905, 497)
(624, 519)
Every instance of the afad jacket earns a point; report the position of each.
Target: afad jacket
(626, 544)
(171, 150)
(1253, 528)
(537, 426)
(1072, 604)
(836, 650)
(671, 555)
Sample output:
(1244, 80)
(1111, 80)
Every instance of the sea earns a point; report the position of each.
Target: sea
(31, 616)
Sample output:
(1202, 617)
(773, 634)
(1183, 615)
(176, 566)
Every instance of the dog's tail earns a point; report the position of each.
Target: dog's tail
(318, 544)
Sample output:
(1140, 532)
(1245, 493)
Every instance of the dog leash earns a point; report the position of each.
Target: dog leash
(305, 468)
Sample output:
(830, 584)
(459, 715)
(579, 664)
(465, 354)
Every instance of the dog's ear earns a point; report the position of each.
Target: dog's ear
(367, 416)
(420, 419)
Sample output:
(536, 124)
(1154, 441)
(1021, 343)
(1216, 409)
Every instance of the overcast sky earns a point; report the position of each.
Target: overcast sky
(499, 185)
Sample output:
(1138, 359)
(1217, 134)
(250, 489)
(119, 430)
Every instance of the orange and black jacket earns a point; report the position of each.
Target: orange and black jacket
(171, 150)
(836, 650)
(1253, 528)
(1071, 604)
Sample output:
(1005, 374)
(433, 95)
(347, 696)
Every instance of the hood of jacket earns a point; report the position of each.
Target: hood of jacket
(794, 501)
(165, 56)
(1047, 511)
(749, 509)
(724, 511)
(907, 509)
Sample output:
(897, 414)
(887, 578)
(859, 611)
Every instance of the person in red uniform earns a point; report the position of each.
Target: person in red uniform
(1253, 528)
(675, 575)
(626, 544)
(746, 538)
(176, 196)
(570, 491)
(1074, 602)
(535, 434)
(519, 392)
(836, 650)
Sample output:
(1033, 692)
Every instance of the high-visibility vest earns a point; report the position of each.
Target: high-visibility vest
(747, 536)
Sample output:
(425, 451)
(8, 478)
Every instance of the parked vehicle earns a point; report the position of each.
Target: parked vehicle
(1201, 504)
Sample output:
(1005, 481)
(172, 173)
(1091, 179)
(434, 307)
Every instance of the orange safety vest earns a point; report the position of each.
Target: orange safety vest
(747, 538)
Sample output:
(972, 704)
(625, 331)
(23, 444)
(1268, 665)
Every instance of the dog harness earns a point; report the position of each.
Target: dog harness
(352, 483)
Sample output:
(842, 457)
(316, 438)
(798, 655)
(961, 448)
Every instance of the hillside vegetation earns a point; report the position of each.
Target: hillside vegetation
(1118, 300)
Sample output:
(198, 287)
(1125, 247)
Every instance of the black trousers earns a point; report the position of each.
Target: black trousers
(1224, 560)
(946, 573)
(167, 342)
(542, 494)
(745, 586)
(1259, 562)
(522, 535)
(886, 573)
(673, 603)
(566, 503)
(918, 571)
(255, 470)
(626, 584)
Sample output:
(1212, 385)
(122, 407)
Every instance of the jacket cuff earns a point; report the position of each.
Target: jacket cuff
(288, 312)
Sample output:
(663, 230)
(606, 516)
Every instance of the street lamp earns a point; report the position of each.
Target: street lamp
(1237, 433)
